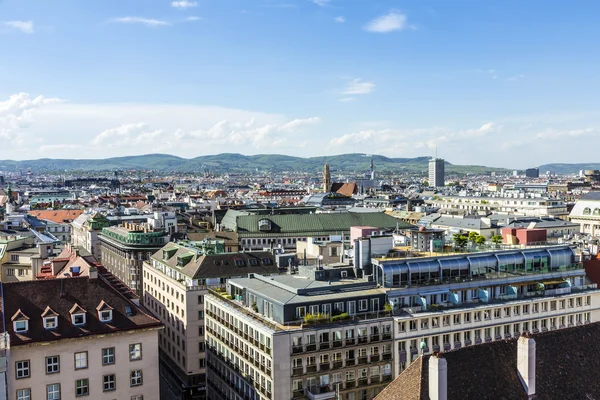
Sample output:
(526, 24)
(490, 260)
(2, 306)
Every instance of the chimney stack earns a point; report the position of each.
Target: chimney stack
(526, 363)
(438, 377)
(93, 273)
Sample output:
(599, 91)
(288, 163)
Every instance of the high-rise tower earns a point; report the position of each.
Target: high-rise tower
(436, 172)
(326, 178)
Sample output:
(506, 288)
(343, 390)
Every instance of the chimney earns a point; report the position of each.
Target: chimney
(93, 273)
(526, 363)
(438, 377)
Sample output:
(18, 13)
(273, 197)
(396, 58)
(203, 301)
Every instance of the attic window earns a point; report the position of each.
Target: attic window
(106, 316)
(21, 326)
(50, 322)
(240, 263)
(267, 261)
(78, 319)
(253, 262)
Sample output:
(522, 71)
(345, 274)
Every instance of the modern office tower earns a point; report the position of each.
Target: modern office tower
(436, 172)
(124, 248)
(74, 337)
(532, 173)
(176, 280)
(308, 336)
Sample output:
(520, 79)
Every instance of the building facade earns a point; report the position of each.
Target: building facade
(68, 338)
(176, 280)
(124, 248)
(436, 173)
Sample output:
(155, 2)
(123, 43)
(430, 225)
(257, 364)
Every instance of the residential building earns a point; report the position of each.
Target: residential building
(327, 252)
(20, 258)
(68, 338)
(124, 248)
(85, 231)
(424, 239)
(176, 280)
(279, 337)
(58, 222)
(256, 231)
(436, 173)
(586, 213)
(527, 206)
(450, 302)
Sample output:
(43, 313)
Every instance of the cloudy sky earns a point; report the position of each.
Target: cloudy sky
(497, 82)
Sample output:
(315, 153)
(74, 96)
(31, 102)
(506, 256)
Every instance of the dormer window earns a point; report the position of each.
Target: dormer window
(105, 312)
(50, 318)
(20, 322)
(77, 315)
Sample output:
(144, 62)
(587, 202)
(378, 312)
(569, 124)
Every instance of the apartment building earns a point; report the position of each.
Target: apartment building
(124, 248)
(444, 303)
(176, 280)
(586, 213)
(527, 206)
(78, 337)
(315, 335)
(85, 231)
(20, 258)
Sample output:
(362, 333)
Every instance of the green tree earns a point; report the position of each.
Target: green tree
(473, 237)
(496, 239)
(460, 240)
(480, 240)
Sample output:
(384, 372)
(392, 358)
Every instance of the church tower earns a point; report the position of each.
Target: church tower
(326, 178)
(372, 170)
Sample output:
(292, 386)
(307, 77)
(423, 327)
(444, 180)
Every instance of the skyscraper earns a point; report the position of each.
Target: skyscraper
(326, 178)
(436, 172)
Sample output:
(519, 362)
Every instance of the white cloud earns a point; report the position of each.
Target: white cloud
(183, 4)
(393, 21)
(17, 113)
(357, 86)
(516, 77)
(192, 18)
(140, 20)
(340, 19)
(23, 26)
(126, 134)
(321, 3)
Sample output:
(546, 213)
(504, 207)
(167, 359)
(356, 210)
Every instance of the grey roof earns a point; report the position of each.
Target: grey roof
(466, 223)
(283, 289)
(593, 196)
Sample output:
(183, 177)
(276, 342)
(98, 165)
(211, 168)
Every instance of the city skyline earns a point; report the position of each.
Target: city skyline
(488, 84)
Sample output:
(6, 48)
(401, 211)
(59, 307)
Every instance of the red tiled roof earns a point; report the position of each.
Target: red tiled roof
(58, 216)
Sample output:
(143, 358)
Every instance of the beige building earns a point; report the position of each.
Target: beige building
(176, 279)
(78, 337)
(20, 258)
(328, 252)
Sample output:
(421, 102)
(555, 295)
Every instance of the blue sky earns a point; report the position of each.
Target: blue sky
(503, 83)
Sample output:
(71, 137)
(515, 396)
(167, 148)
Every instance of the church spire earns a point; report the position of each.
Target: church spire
(326, 178)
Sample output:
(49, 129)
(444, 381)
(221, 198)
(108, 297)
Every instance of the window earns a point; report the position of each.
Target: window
(52, 365)
(10, 272)
(200, 314)
(108, 356)
(50, 322)
(402, 326)
(53, 391)
(496, 313)
(81, 361)
(136, 378)
(135, 352)
(82, 387)
(106, 316)
(108, 383)
(78, 319)
(24, 394)
(14, 257)
(300, 312)
(21, 326)
(22, 368)
(363, 305)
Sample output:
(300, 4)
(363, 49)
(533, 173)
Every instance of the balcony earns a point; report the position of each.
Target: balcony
(297, 349)
(363, 360)
(375, 338)
(325, 392)
(298, 394)
(363, 381)
(324, 367)
(386, 378)
(324, 345)
(388, 356)
(375, 358)
(311, 347)
(375, 379)
(297, 371)
(338, 364)
(311, 368)
(337, 343)
(362, 339)
(350, 384)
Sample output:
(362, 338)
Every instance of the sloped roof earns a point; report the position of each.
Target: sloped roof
(33, 297)
(411, 384)
(57, 216)
(309, 224)
(347, 189)
(566, 368)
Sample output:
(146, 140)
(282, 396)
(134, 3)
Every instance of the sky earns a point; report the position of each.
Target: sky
(505, 83)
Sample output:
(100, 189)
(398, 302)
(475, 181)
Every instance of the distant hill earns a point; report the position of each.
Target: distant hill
(567, 168)
(232, 162)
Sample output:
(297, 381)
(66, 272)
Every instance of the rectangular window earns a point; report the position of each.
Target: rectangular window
(22, 368)
(81, 360)
(108, 356)
(109, 383)
(52, 365)
(53, 391)
(82, 387)
(136, 378)
(300, 312)
(363, 305)
(24, 394)
(135, 352)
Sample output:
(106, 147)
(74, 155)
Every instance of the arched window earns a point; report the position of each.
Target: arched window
(596, 211)
(587, 211)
